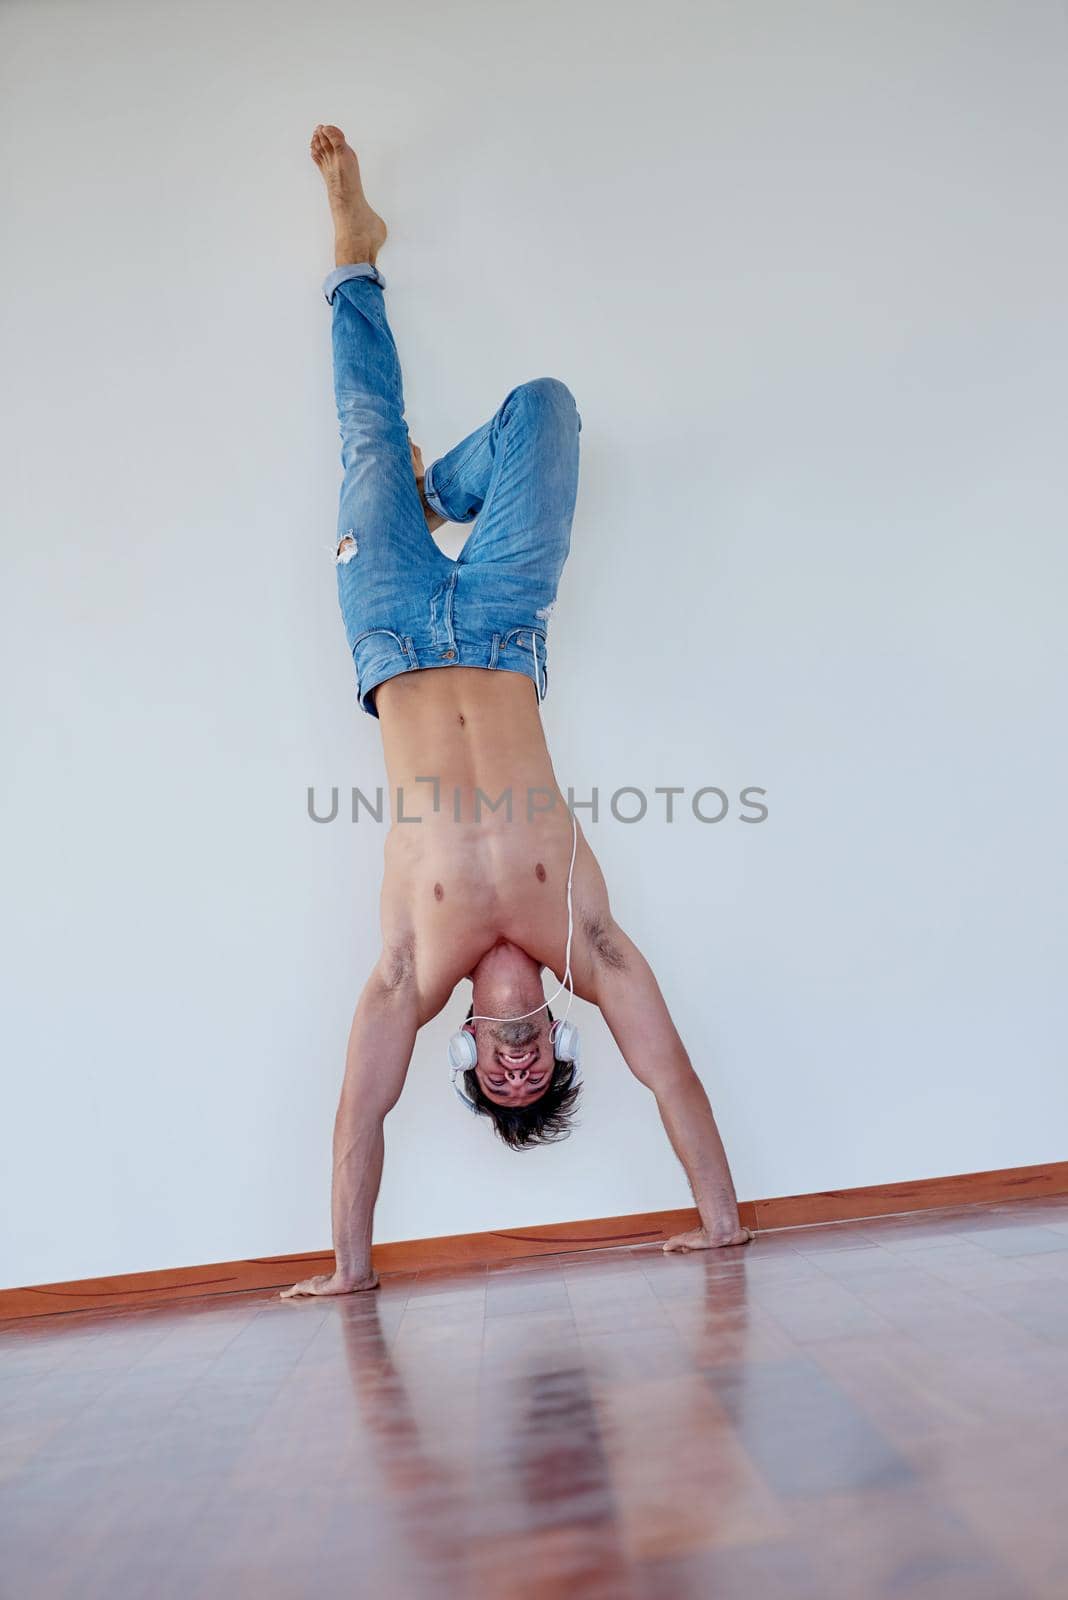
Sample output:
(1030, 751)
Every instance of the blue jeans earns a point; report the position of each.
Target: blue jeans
(405, 605)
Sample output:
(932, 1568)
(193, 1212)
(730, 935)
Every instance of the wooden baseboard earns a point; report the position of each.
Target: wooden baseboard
(467, 1249)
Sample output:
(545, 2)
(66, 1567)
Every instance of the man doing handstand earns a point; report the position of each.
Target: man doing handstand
(450, 656)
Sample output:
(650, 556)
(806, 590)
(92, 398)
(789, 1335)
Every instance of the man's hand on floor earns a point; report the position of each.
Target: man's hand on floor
(702, 1239)
(330, 1283)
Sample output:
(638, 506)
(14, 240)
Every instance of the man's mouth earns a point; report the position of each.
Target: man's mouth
(516, 1059)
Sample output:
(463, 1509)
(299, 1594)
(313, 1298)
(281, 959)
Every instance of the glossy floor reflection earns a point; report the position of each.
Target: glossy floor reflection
(831, 1413)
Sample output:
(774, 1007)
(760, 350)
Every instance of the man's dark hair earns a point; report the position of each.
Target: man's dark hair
(546, 1120)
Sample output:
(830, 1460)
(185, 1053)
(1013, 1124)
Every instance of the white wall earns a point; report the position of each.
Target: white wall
(803, 266)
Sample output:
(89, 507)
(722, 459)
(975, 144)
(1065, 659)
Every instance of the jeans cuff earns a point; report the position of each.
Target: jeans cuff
(430, 495)
(357, 269)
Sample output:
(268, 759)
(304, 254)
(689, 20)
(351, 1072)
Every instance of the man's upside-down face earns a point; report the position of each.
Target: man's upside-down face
(516, 1079)
(515, 1059)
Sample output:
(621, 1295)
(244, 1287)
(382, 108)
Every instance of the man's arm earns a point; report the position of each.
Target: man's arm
(379, 1052)
(625, 989)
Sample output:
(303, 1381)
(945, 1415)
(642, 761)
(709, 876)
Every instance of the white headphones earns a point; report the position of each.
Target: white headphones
(463, 1051)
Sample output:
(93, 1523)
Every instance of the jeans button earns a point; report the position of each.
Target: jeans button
(448, 655)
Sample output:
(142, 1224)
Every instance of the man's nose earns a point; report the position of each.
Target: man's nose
(516, 1074)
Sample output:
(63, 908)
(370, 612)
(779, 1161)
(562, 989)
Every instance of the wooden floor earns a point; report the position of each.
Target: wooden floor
(857, 1410)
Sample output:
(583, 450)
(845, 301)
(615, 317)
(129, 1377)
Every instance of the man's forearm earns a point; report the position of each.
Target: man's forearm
(376, 1063)
(691, 1127)
(358, 1153)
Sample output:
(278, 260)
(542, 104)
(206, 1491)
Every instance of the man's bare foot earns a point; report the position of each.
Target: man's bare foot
(702, 1239)
(359, 232)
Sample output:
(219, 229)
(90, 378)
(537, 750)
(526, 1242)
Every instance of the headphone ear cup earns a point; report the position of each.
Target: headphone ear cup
(463, 1051)
(565, 1041)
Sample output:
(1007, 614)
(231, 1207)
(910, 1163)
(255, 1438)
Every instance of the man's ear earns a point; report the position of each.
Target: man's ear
(469, 1027)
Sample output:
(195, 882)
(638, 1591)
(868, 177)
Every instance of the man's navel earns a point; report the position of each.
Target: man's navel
(540, 873)
(439, 892)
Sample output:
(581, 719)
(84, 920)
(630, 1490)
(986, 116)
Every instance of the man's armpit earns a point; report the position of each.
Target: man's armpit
(397, 964)
(604, 946)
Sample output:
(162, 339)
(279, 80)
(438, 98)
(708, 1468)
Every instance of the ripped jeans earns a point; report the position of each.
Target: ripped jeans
(407, 606)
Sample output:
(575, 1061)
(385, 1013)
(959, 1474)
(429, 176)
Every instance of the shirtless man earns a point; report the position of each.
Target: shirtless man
(450, 657)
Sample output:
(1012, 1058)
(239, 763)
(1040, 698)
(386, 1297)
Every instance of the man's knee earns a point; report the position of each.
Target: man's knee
(550, 402)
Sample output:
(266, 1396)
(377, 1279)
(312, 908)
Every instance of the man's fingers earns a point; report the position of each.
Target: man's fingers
(321, 1287)
(309, 1286)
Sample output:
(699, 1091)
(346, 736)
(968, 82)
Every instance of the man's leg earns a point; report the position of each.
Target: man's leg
(518, 474)
(380, 518)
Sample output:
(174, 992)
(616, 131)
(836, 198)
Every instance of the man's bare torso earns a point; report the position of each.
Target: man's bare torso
(467, 875)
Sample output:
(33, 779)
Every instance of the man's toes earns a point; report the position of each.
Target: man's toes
(333, 137)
